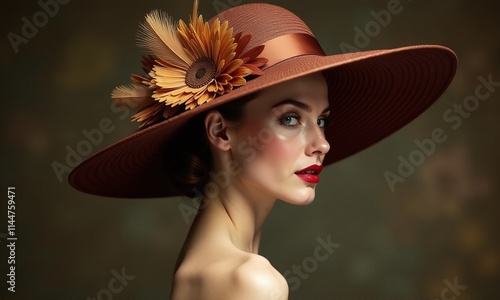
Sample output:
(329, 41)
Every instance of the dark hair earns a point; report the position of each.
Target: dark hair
(189, 159)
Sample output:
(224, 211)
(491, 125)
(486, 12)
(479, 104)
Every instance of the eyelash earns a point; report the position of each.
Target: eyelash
(289, 115)
(326, 120)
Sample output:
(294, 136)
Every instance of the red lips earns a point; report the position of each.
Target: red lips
(310, 174)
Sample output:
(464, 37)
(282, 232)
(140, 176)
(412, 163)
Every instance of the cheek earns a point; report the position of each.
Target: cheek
(286, 141)
(281, 149)
(265, 148)
(280, 152)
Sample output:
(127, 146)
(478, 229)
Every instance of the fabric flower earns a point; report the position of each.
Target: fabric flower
(190, 64)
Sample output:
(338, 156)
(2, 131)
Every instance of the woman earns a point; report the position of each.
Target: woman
(241, 111)
(224, 240)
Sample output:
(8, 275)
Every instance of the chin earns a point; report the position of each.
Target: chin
(304, 196)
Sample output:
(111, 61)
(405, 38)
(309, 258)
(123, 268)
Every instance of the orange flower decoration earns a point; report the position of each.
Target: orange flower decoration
(189, 65)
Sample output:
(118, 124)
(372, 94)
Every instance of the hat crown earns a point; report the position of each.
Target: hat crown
(263, 21)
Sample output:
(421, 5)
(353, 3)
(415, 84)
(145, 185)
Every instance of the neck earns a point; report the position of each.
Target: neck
(242, 211)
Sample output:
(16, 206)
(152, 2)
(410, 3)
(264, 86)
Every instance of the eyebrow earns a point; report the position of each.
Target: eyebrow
(300, 105)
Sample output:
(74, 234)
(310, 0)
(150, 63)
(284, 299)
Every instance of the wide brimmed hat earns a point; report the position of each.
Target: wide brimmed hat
(372, 93)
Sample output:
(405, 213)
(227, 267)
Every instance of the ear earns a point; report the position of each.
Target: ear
(216, 129)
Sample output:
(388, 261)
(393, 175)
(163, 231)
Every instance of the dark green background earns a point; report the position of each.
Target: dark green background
(440, 224)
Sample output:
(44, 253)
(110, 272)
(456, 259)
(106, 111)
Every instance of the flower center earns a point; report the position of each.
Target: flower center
(200, 73)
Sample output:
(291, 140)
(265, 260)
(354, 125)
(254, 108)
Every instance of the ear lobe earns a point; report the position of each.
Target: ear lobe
(215, 129)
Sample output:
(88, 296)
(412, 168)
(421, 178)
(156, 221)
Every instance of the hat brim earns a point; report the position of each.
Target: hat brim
(373, 94)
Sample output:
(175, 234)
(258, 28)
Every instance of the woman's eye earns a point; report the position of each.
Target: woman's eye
(324, 122)
(290, 120)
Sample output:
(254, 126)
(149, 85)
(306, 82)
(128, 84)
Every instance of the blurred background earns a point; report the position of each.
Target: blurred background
(431, 235)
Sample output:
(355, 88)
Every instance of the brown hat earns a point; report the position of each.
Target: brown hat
(200, 66)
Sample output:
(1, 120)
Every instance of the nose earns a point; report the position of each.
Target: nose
(317, 144)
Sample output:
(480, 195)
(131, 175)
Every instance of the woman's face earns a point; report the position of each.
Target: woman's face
(280, 144)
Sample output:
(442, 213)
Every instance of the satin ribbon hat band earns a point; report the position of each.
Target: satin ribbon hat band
(288, 46)
(196, 67)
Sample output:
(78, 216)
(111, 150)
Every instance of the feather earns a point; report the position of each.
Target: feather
(159, 35)
(134, 96)
(194, 16)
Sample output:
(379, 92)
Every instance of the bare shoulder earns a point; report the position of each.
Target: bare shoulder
(242, 277)
(256, 278)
